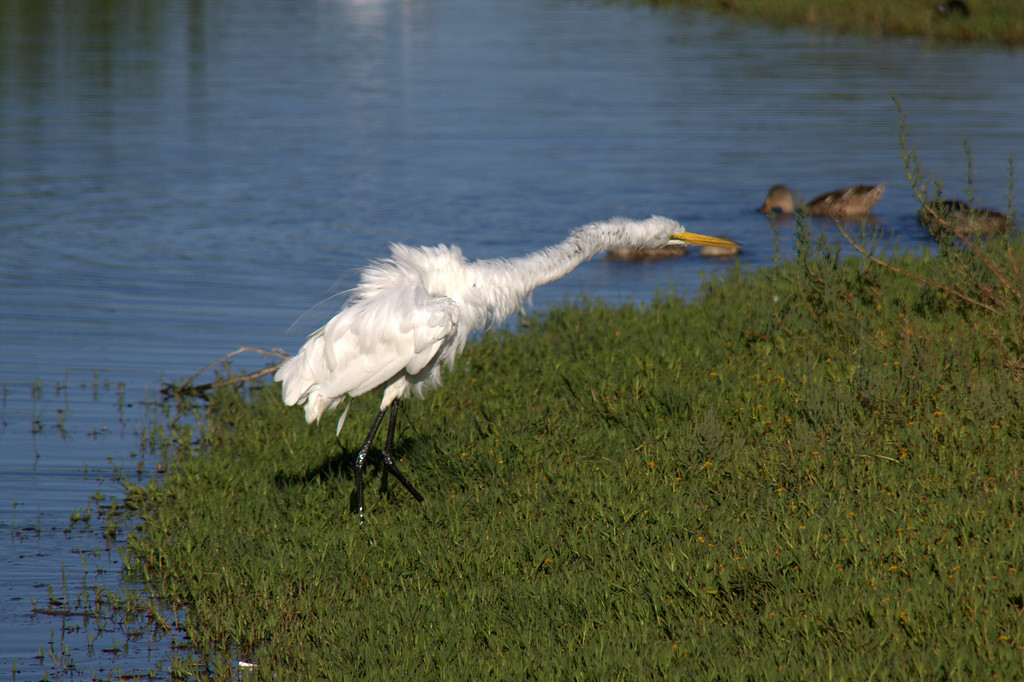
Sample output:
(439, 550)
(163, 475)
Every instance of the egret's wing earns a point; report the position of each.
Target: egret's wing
(377, 338)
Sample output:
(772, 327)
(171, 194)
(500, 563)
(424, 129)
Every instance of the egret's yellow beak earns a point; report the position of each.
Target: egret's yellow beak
(694, 239)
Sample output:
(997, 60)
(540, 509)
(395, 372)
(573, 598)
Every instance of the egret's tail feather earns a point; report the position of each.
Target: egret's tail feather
(300, 384)
(341, 419)
(295, 384)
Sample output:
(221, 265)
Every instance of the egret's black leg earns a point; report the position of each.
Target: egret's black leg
(361, 460)
(389, 462)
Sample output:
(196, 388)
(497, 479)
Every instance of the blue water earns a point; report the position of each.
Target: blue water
(181, 179)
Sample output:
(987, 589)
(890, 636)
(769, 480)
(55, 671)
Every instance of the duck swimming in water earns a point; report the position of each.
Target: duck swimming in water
(651, 255)
(648, 255)
(956, 217)
(850, 202)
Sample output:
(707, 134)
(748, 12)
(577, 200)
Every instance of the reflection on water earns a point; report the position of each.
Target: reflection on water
(180, 179)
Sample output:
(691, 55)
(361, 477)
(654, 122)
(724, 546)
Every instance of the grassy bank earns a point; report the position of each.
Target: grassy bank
(816, 471)
(995, 21)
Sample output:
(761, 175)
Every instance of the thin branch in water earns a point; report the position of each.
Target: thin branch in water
(187, 388)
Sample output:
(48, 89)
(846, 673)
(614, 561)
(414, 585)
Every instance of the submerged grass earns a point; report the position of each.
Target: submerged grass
(814, 471)
(994, 21)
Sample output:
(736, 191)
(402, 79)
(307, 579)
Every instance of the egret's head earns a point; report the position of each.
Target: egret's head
(622, 233)
(659, 231)
(677, 234)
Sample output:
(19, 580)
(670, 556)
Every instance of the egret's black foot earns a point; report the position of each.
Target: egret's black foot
(390, 468)
(389, 462)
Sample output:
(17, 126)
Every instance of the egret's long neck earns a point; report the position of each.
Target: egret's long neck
(520, 276)
(584, 243)
(511, 281)
(555, 262)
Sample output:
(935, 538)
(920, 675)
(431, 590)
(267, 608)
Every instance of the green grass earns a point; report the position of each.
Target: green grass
(995, 21)
(813, 472)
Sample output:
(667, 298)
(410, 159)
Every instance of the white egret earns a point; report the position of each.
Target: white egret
(413, 312)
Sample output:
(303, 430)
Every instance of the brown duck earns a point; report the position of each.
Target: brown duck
(672, 251)
(842, 203)
(648, 255)
(958, 218)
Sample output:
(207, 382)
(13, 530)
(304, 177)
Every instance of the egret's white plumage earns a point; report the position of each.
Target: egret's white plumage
(412, 313)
